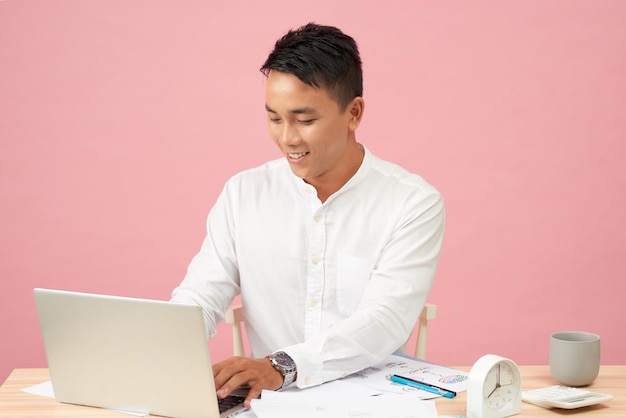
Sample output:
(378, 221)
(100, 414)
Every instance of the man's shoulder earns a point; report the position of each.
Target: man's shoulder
(396, 176)
(270, 172)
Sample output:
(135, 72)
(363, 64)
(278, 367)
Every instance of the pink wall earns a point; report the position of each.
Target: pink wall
(120, 122)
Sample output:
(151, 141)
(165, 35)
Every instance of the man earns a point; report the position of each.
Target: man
(333, 250)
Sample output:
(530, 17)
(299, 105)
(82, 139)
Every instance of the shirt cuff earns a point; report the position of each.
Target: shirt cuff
(309, 365)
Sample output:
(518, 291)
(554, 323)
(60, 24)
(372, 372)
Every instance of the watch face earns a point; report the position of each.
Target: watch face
(501, 386)
(282, 359)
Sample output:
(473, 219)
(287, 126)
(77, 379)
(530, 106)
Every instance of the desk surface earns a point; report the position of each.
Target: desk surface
(612, 379)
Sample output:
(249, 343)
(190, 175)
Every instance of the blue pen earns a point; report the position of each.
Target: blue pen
(421, 385)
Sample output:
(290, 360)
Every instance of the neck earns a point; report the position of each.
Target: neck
(326, 187)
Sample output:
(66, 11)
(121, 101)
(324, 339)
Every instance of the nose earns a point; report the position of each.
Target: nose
(288, 135)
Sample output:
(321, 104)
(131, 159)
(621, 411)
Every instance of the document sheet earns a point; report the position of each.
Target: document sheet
(367, 393)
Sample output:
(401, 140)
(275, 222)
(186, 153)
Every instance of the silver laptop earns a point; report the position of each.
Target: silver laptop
(129, 354)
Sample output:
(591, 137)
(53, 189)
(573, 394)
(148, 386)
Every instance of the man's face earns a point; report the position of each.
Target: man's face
(314, 135)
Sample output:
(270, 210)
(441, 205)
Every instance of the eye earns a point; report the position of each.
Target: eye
(274, 120)
(305, 122)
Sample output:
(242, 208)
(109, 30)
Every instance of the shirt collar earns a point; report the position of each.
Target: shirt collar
(360, 174)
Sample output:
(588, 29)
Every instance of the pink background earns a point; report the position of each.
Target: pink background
(121, 120)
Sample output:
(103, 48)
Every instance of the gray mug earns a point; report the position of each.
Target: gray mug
(574, 357)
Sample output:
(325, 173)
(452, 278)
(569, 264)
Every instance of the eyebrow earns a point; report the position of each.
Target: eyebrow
(304, 110)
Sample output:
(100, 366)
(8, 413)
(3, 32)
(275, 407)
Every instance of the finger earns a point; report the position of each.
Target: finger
(224, 371)
(232, 384)
(229, 362)
(254, 393)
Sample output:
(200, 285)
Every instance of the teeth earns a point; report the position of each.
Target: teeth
(298, 155)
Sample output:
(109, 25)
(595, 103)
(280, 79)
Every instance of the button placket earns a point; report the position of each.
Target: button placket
(316, 278)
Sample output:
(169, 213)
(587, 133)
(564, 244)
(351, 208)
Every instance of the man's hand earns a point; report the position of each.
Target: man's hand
(257, 373)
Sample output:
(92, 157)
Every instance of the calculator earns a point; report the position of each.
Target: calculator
(564, 397)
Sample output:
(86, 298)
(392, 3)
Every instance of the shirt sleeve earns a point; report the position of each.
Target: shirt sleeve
(212, 279)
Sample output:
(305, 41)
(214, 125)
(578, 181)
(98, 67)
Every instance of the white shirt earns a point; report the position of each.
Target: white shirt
(339, 285)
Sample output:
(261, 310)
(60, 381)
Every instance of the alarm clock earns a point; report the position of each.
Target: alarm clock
(494, 388)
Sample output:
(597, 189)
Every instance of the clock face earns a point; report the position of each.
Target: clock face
(494, 388)
(502, 386)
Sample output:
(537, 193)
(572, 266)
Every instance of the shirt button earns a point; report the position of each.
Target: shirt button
(317, 218)
(307, 381)
(313, 303)
(315, 261)
(308, 189)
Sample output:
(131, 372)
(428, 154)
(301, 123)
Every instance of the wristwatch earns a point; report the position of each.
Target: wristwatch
(285, 365)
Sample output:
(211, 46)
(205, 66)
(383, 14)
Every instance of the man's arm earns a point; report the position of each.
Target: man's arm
(388, 309)
(212, 279)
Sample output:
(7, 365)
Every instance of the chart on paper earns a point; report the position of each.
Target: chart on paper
(420, 370)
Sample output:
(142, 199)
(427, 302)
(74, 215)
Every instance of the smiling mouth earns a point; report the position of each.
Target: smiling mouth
(297, 155)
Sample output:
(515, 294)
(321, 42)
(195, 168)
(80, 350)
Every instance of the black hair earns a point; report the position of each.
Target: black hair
(321, 57)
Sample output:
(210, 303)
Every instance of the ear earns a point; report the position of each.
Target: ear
(355, 109)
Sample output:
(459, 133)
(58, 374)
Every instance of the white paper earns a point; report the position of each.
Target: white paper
(339, 405)
(332, 388)
(46, 389)
(365, 394)
(42, 389)
(375, 376)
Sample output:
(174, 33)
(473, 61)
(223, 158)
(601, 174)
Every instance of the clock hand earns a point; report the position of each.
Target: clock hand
(498, 385)
(498, 377)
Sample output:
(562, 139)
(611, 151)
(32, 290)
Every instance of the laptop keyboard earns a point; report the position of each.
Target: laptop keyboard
(230, 402)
